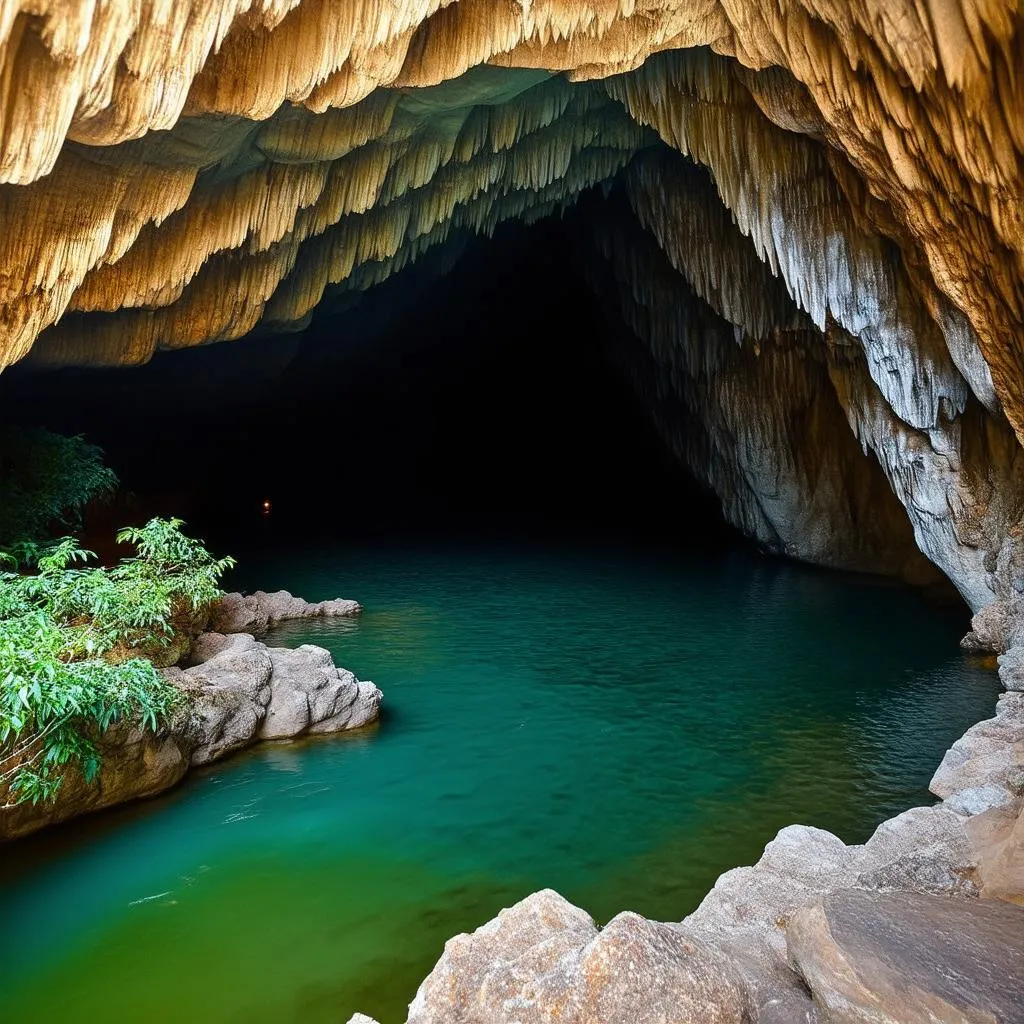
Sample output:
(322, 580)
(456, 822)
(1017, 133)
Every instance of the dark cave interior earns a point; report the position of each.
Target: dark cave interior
(476, 399)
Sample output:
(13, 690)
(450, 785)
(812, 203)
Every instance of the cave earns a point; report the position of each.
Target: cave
(652, 376)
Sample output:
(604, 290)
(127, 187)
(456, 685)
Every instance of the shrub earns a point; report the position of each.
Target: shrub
(46, 481)
(76, 642)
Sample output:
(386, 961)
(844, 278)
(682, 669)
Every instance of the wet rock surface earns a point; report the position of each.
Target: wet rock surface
(909, 958)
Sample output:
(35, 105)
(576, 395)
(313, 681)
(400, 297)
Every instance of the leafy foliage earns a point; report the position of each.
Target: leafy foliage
(73, 640)
(46, 481)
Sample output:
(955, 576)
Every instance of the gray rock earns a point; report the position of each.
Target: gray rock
(544, 961)
(309, 693)
(1011, 668)
(925, 849)
(235, 613)
(909, 958)
(256, 613)
(985, 767)
(978, 799)
(230, 687)
(238, 690)
(360, 1018)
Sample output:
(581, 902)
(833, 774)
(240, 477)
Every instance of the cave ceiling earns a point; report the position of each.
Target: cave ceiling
(826, 196)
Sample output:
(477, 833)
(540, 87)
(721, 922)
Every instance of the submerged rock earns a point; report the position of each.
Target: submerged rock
(909, 958)
(256, 613)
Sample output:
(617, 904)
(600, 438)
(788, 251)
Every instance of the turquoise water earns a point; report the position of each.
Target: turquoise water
(621, 725)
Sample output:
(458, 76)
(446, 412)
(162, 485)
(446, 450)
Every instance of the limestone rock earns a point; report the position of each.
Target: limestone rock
(256, 613)
(308, 693)
(544, 960)
(908, 958)
(985, 767)
(136, 763)
(861, 239)
(997, 836)
(924, 849)
(230, 685)
(1011, 668)
(238, 691)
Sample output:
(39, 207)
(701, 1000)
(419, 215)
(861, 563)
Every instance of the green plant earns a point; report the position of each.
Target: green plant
(46, 481)
(73, 645)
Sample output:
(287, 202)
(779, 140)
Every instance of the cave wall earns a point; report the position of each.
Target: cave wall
(823, 272)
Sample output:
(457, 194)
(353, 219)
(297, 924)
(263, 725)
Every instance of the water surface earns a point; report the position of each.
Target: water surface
(620, 725)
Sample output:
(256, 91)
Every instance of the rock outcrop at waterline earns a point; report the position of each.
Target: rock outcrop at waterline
(919, 924)
(178, 175)
(238, 691)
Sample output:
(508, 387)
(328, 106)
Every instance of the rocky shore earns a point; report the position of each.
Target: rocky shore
(922, 924)
(239, 691)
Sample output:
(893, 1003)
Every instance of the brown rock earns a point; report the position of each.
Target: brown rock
(544, 961)
(909, 958)
(136, 763)
(998, 838)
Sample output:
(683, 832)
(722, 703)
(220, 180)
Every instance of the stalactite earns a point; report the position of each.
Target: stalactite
(179, 173)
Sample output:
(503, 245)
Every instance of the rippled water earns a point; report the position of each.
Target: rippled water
(620, 725)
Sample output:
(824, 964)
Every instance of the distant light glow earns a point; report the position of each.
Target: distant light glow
(267, 506)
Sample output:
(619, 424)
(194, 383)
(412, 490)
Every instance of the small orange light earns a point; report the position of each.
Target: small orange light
(267, 506)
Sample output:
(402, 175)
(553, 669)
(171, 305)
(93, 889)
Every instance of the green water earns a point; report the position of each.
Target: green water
(621, 726)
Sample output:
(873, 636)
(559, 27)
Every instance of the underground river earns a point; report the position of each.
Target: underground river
(619, 722)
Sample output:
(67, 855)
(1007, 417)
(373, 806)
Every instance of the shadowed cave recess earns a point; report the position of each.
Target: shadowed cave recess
(698, 271)
(817, 302)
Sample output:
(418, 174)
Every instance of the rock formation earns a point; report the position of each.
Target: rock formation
(256, 613)
(818, 249)
(176, 175)
(238, 691)
(917, 924)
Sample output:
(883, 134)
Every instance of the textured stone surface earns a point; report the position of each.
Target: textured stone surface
(544, 960)
(136, 764)
(309, 693)
(256, 613)
(239, 691)
(908, 958)
(998, 837)
(857, 235)
(985, 767)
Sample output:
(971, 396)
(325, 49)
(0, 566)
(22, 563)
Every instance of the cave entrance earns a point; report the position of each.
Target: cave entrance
(484, 397)
(618, 721)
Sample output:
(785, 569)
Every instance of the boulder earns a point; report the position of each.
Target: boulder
(910, 958)
(310, 694)
(1011, 668)
(925, 849)
(997, 836)
(229, 682)
(545, 961)
(256, 613)
(997, 627)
